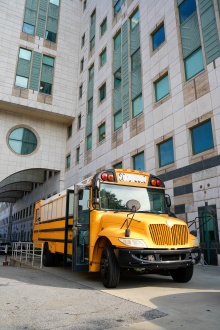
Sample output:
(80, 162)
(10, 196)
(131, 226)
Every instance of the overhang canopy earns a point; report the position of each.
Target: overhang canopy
(14, 186)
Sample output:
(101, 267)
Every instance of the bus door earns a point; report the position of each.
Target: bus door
(81, 230)
(68, 223)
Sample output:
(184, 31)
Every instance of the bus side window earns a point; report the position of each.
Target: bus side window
(37, 215)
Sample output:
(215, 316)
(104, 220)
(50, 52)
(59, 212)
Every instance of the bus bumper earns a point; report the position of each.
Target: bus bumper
(158, 259)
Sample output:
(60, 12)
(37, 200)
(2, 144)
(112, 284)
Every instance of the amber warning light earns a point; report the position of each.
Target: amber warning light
(156, 182)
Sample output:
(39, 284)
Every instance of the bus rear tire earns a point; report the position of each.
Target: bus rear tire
(48, 258)
(182, 275)
(109, 268)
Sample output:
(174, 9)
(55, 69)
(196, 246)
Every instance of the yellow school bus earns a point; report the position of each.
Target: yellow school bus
(118, 219)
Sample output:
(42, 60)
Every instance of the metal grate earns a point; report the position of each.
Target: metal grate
(162, 234)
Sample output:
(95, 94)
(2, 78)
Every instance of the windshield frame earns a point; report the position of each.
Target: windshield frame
(134, 191)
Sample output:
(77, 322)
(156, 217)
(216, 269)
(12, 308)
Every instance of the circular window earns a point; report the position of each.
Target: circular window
(22, 141)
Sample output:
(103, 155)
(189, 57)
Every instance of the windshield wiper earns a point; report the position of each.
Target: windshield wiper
(154, 212)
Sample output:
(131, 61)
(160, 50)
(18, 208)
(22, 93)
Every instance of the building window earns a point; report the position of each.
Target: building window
(117, 6)
(186, 9)
(79, 121)
(77, 154)
(68, 158)
(194, 64)
(202, 138)
(28, 28)
(51, 36)
(47, 75)
(90, 105)
(117, 78)
(158, 37)
(84, 4)
(103, 26)
(22, 141)
(118, 165)
(117, 120)
(101, 132)
(81, 65)
(137, 107)
(92, 30)
(135, 60)
(69, 131)
(134, 20)
(138, 162)
(91, 72)
(117, 41)
(165, 151)
(102, 57)
(80, 91)
(23, 68)
(55, 2)
(102, 93)
(89, 142)
(162, 88)
(83, 40)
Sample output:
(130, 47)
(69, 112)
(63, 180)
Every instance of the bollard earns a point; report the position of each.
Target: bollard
(5, 263)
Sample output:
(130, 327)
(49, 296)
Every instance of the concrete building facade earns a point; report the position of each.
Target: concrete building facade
(89, 85)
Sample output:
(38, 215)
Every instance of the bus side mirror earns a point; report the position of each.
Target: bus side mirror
(167, 201)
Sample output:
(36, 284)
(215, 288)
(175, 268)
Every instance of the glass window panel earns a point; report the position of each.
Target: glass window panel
(103, 57)
(77, 154)
(51, 36)
(202, 138)
(25, 54)
(21, 82)
(134, 19)
(135, 60)
(92, 43)
(138, 162)
(91, 73)
(118, 165)
(117, 78)
(90, 105)
(68, 161)
(102, 93)
(28, 28)
(103, 26)
(194, 64)
(48, 60)
(166, 155)
(79, 122)
(55, 2)
(158, 37)
(101, 132)
(137, 106)
(45, 88)
(93, 18)
(162, 88)
(83, 40)
(117, 7)
(186, 8)
(22, 141)
(117, 41)
(117, 120)
(80, 91)
(89, 142)
(84, 4)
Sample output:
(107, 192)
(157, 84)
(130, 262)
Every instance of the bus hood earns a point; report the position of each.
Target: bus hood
(156, 230)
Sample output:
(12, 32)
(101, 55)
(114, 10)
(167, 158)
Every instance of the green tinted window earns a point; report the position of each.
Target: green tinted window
(22, 141)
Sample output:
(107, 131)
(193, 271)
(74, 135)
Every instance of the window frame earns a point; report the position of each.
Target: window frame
(155, 87)
(102, 90)
(193, 128)
(135, 157)
(100, 57)
(162, 163)
(68, 161)
(103, 24)
(159, 27)
(133, 101)
(100, 134)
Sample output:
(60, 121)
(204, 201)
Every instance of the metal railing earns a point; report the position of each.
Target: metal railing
(28, 252)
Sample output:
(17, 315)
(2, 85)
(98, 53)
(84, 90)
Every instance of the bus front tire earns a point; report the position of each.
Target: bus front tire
(182, 275)
(109, 268)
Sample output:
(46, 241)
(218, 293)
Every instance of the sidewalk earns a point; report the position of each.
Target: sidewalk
(58, 298)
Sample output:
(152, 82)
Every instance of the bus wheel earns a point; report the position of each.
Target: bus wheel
(48, 258)
(109, 267)
(182, 275)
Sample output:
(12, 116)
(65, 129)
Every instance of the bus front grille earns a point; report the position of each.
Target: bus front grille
(162, 234)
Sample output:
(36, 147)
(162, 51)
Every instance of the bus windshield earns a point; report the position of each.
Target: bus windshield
(115, 197)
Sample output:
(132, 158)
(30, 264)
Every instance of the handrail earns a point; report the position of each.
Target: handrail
(28, 252)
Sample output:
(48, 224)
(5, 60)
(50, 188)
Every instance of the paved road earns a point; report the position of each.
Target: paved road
(56, 298)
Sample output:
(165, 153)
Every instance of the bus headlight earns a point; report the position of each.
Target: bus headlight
(195, 242)
(138, 243)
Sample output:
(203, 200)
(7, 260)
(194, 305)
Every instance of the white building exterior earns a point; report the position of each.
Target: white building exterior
(175, 78)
